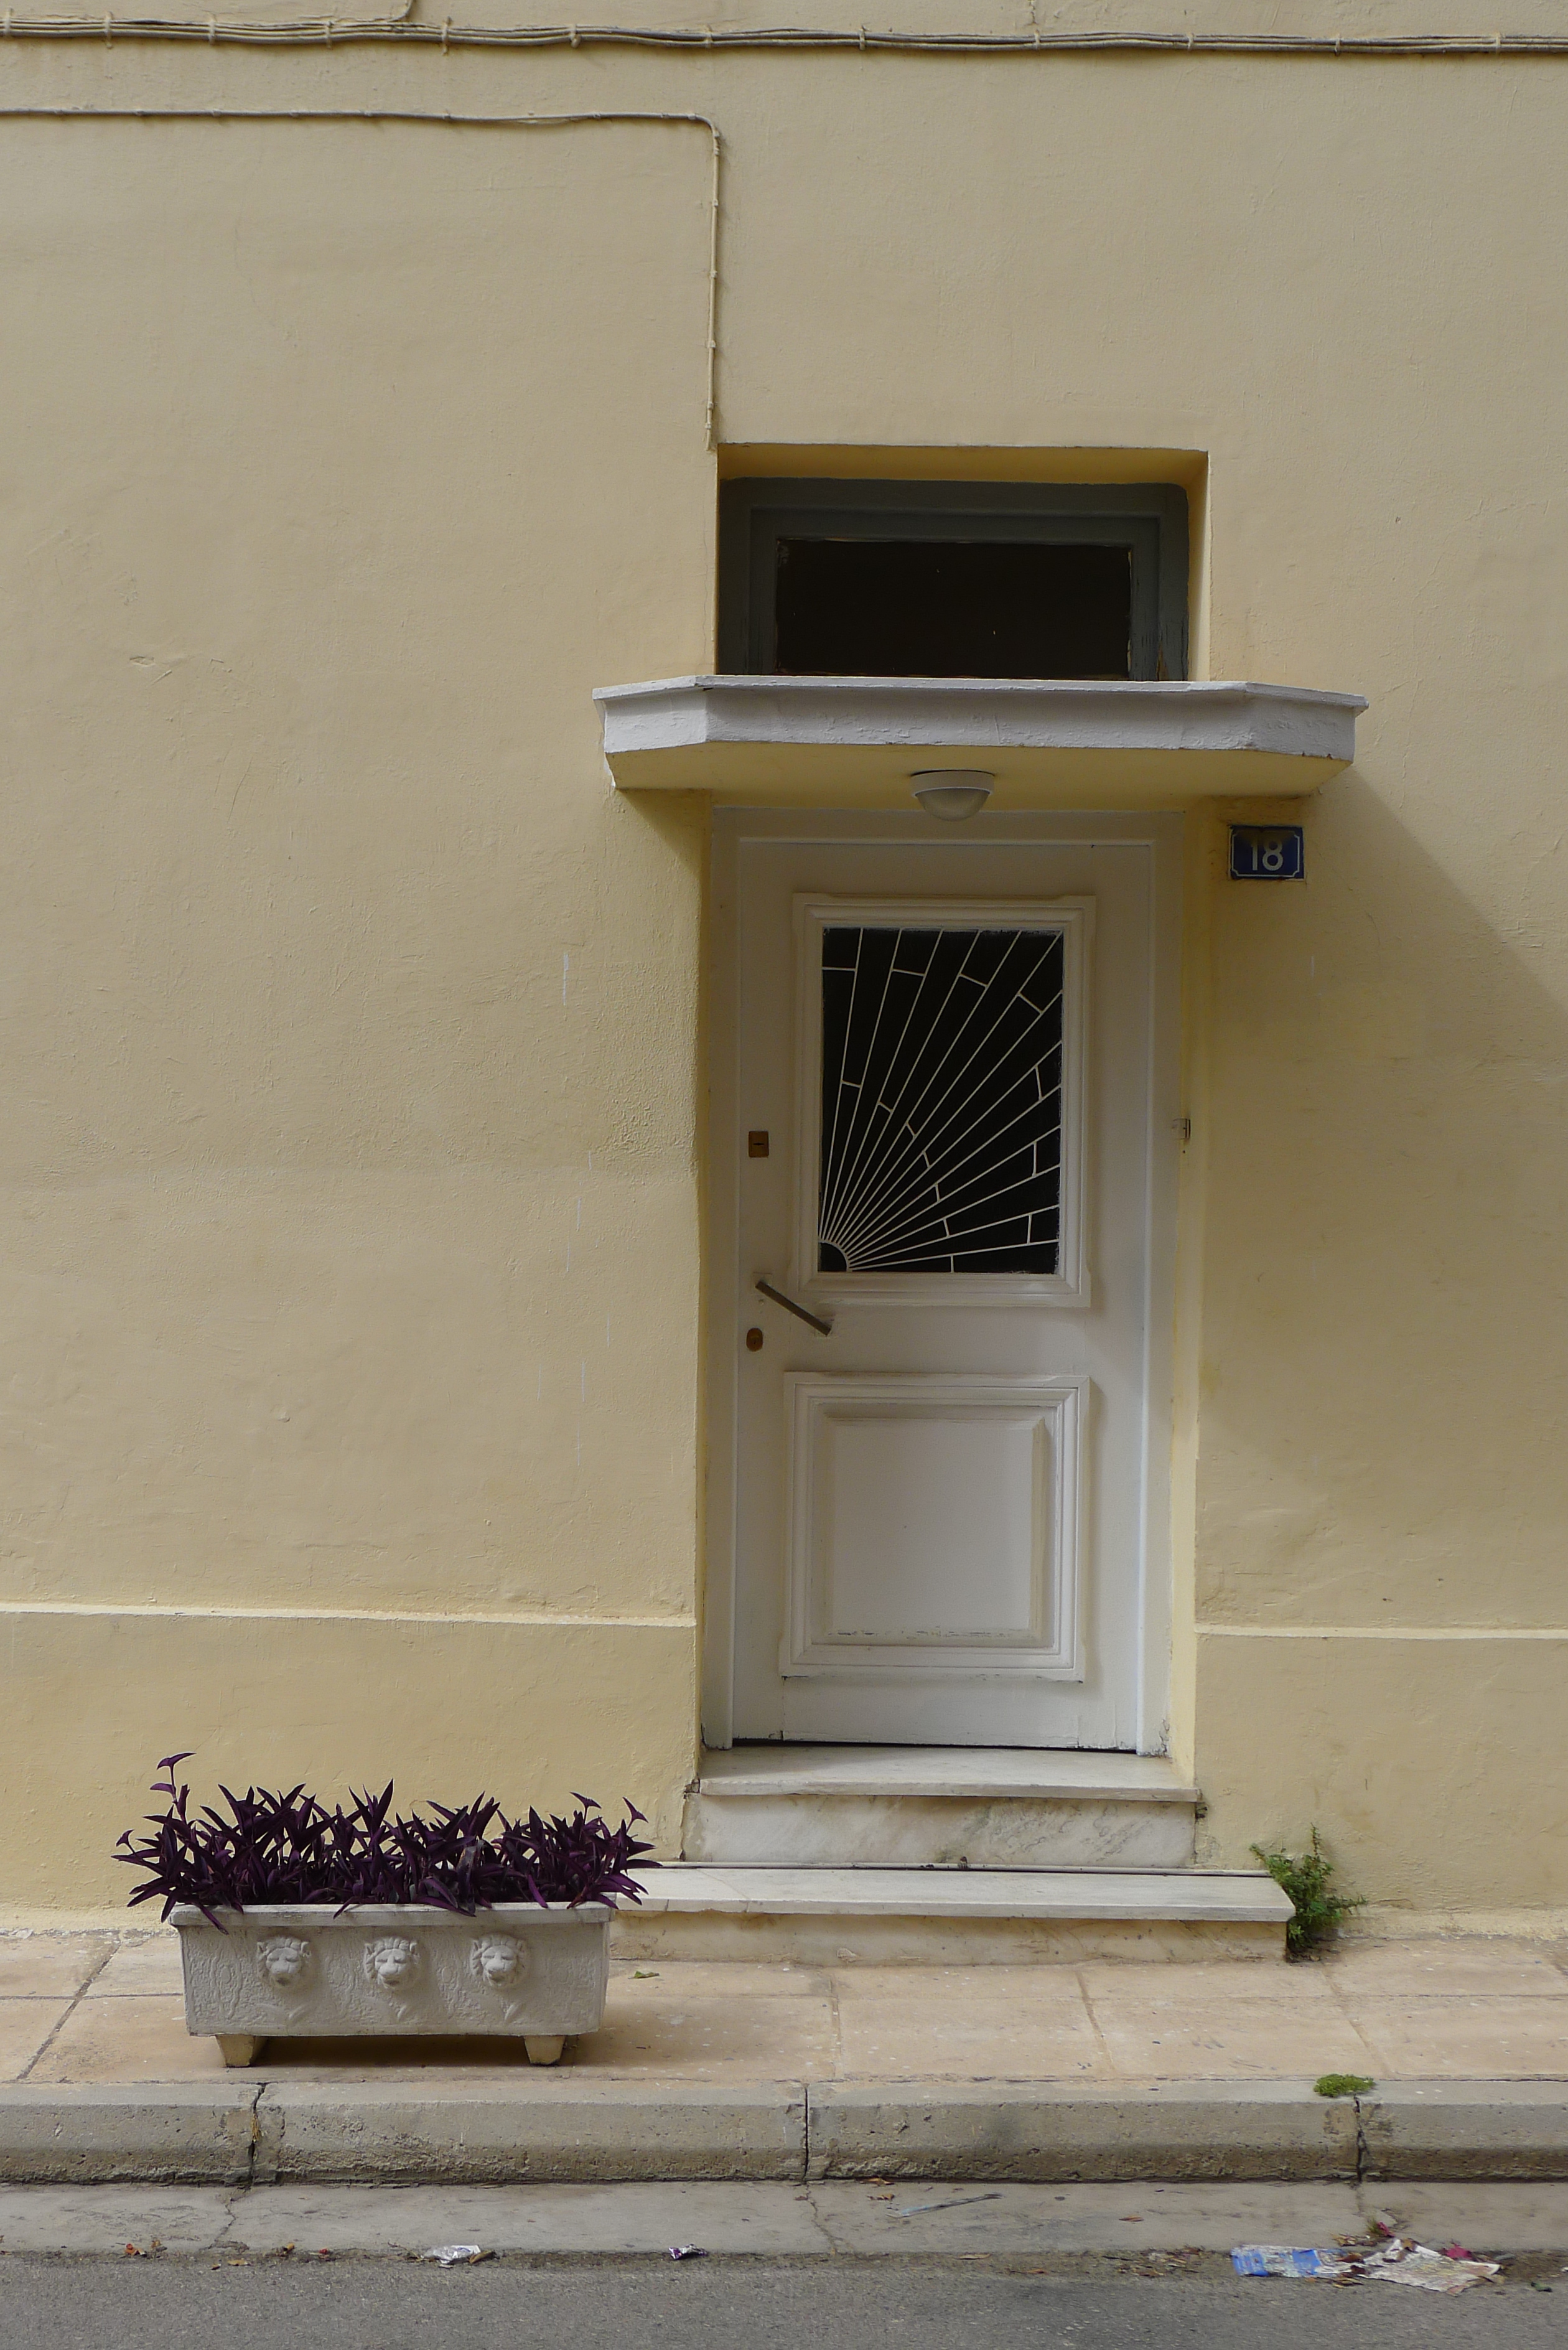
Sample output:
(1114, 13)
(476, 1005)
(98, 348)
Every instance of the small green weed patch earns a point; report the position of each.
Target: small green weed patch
(1308, 1879)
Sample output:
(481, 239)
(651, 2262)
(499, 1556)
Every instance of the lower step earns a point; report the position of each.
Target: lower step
(890, 1917)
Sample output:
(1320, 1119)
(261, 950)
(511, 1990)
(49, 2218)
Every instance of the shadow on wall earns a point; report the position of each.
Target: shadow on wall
(1385, 1351)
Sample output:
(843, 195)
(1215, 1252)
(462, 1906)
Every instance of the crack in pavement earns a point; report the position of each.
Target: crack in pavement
(110, 1944)
(809, 2195)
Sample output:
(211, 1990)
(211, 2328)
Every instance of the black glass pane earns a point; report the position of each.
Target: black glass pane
(941, 1101)
(914, 607)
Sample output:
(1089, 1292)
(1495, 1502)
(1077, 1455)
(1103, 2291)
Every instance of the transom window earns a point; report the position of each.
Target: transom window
(829, 578)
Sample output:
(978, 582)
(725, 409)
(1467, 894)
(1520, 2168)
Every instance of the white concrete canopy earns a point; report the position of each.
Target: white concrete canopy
(857, 741)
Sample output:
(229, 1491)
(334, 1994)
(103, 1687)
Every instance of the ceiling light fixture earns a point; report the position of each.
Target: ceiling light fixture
(952, 792)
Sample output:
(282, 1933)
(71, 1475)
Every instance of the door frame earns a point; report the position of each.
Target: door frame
(1162, 833)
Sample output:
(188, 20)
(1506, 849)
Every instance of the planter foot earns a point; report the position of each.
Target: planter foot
(544, 2049)
(240, 2047)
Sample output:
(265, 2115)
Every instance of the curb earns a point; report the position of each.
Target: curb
(561, 2129)
(195, 2133)
(1060, 2131)
(496, 2134)
(1466, 2129)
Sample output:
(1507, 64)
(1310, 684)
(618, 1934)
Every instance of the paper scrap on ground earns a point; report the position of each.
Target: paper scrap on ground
(1406, 2262)
(451, 2255)
(688, 2252)
(1401, 2261)
(1281, 2259)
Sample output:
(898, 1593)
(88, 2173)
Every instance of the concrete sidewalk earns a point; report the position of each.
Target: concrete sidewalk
(705, 2071)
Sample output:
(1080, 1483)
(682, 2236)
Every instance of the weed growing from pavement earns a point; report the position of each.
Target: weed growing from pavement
(1308, 1879)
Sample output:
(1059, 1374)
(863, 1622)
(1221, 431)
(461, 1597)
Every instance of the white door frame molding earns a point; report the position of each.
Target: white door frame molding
(730, 1310)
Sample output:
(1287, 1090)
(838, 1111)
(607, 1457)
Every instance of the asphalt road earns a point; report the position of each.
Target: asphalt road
(70, 2303)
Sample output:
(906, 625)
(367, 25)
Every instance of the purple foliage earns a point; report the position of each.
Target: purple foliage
(275, 1848)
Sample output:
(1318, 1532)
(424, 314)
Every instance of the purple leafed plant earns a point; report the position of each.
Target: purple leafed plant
(273, 1848)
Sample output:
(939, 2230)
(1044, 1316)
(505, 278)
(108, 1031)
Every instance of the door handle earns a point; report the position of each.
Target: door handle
(801, 1313)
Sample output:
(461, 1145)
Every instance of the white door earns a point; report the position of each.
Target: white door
(952, 1124)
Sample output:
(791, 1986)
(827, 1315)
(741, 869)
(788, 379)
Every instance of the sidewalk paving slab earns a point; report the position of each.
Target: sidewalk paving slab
(1175, 2070)
(50, 1966)
(183, 2220)
(953, 2219)
(939, 2220)
(1485, 2215)
(635, 2217)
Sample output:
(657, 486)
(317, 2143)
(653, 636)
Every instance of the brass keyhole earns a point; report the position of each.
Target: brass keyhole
(754, 1340)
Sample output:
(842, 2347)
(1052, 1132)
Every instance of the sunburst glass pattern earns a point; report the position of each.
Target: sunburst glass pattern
(941, 1101)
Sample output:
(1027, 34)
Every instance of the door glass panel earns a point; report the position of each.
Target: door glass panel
(941, 1101)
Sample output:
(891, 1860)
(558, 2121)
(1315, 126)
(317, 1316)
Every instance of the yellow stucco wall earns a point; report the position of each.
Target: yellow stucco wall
(350, 1227)
(350, 1202)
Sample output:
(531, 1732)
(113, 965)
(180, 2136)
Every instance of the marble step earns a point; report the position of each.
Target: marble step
(913, 1807)
(889, 1917)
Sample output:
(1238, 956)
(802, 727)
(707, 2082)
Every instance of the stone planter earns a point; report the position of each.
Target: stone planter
(311, 1972)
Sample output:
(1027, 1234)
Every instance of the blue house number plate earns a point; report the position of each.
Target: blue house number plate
(1267, 852)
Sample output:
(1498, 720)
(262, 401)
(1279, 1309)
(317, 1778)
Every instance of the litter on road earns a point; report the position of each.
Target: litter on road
(453, 2256)
(950, 2203)
(1400, 2261)
(687, 2252)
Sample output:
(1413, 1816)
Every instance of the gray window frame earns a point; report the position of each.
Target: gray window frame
(1149, 517)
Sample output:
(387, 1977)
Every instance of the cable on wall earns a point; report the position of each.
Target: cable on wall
(377, 114)
(448, 35)
(334, 32)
